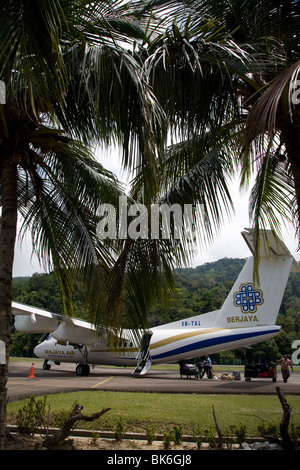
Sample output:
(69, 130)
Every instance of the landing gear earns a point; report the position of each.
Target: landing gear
(82, 370)
(46, 366)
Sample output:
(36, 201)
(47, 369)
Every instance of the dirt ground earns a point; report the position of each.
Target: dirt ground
(22, 442)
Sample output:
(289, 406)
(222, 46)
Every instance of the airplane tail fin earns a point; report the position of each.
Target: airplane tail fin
(249, 304)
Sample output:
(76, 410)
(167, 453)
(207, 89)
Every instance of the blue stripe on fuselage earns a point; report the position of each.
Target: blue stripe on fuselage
(210, 342)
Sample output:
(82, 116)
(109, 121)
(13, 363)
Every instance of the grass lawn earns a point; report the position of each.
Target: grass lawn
(161, 411)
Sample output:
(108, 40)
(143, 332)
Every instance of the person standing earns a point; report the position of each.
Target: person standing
(286, 363)
(207, 367)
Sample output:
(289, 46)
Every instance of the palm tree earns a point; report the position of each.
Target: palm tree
(227, 75)
(70, 83)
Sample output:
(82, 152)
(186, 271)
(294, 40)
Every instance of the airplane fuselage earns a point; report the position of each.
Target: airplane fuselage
(166, 345)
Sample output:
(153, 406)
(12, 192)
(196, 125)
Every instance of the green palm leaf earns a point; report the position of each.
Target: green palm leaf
(253, 49)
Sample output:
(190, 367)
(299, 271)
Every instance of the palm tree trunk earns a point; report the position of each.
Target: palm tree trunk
(7, 248)
(290, 136)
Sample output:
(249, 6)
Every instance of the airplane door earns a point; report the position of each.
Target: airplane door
(144, 357)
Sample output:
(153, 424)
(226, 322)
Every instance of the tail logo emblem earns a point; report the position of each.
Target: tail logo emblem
(248, 298)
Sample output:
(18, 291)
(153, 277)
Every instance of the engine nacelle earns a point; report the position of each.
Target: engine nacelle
(75, 334)
(35, 324)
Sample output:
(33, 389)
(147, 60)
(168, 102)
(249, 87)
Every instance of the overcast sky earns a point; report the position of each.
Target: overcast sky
(228, 242)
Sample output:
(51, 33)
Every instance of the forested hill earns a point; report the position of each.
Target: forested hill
(198, 290)
(205, 288)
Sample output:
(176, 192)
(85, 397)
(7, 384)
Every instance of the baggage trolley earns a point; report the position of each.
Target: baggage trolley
(265, 371)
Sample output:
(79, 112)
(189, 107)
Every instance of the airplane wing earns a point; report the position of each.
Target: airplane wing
(28, 319)
(35, 320)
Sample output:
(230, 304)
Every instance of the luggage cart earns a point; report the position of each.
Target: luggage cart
(265, 371)
(189, 370)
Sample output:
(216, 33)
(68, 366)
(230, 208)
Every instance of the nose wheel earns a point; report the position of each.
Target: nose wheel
(46, 366)
(82, 370)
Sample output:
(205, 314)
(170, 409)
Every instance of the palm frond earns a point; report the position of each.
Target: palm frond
(109, 99)
(61, 216)
(141, 274)
(272, 200)
(276, 98)
(80, 76)
(206, 183)
(31, 67)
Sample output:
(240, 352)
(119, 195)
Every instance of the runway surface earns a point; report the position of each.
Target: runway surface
(64, 379)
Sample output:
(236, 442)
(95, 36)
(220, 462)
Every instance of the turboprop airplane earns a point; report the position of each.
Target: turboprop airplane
(247, 316)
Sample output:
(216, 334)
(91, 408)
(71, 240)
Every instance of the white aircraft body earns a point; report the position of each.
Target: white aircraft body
(248, 316)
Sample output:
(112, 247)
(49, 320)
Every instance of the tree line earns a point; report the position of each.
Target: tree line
(198, 290)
